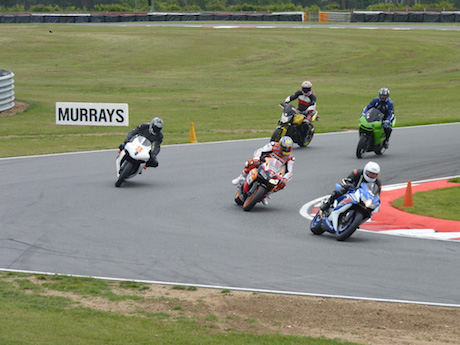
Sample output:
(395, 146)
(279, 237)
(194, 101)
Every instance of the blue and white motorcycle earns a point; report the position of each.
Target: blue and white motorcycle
(348, 212)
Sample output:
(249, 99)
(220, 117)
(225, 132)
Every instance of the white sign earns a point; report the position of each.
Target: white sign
(92, 114)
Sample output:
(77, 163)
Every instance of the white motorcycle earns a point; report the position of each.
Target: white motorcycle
(132, 159)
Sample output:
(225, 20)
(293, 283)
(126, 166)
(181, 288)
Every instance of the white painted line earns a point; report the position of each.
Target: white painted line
(427, 234)
(213, 142)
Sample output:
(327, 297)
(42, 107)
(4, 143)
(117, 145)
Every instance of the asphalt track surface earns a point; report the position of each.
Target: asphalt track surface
(179, 224)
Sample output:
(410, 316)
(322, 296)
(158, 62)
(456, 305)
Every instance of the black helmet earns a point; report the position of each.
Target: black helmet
(384, 94)
(155, 125)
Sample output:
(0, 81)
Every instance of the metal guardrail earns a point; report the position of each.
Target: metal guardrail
(6, 90)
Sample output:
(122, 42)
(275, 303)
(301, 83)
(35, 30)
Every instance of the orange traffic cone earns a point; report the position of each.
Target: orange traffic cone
(192, 135)
(408, 202)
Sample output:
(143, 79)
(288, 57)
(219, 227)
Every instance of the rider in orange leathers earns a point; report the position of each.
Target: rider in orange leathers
(282, 151)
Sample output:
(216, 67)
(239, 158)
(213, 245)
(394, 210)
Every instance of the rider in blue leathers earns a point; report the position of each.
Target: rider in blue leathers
(384, 103)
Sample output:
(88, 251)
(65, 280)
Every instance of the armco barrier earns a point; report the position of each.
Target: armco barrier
(6, 90)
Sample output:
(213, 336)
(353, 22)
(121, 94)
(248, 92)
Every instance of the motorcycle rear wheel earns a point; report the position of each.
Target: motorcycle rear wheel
(124, 173)
(348, 227)
(315, 225)
(308, 137)
(362, 146)
(254, 198)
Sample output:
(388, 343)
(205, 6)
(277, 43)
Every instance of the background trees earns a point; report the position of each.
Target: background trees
(221, 5)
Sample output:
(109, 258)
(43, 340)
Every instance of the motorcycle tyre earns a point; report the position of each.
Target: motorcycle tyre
(238, 199)
(308, 137)
(355, 223)
(254, 198)
(362, 146)
(315, 225)
(124, 173)
(277, 134)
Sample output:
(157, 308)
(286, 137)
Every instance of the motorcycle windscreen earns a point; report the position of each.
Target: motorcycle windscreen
(374, 115)
(370, 190)
(275, 165)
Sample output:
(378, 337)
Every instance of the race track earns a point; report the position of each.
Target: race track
(179, 224)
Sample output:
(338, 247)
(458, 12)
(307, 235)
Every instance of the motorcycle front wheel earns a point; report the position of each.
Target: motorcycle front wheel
(277, 134)
(362, 146)
(238, 198)
(125, 170)
(315, 225)
(348, 223)
(255, 197)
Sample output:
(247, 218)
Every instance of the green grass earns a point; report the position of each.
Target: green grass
(439, 203)
(228, 82)
(28, 317)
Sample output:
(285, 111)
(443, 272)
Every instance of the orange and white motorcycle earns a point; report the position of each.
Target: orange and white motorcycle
(265, 179)
(132, 159)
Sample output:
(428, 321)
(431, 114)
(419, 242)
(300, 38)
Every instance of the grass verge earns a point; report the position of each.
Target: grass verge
(42, 309)
(439, 203)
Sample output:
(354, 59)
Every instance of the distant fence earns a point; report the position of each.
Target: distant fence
(405, 17)
(150, 17)
(322, 17)
(6, 90)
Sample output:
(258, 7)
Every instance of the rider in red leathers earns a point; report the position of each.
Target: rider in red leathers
(307, 102)
(281, 150)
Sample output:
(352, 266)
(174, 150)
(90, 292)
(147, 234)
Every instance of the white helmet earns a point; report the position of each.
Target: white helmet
(306, 88)
(371, 171)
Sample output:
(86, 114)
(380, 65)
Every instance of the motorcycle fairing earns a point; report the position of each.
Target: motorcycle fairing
(366, 191)
(271, 165)
(138, 147)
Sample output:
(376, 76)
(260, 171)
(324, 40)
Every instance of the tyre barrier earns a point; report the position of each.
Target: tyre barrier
(149, 17)
(6, 90)
(404, 17)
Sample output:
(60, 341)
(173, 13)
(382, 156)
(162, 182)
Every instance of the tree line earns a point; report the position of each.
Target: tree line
(50, 6)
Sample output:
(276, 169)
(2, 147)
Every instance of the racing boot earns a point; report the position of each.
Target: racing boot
(324, 206)
(265, 200)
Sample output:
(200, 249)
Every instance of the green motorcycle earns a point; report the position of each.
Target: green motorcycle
(371, 133)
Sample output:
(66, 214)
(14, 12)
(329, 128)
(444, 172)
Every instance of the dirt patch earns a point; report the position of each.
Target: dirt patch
(364, 322)
(19, 107)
